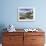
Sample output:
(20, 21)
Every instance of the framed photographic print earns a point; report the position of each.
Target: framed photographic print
(26, 14)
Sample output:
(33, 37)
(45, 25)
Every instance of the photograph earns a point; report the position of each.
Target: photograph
(26, 14)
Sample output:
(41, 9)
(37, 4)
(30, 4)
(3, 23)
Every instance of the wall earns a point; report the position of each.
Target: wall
(8, 13)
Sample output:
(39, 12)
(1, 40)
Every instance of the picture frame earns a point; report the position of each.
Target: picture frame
(26, 14)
